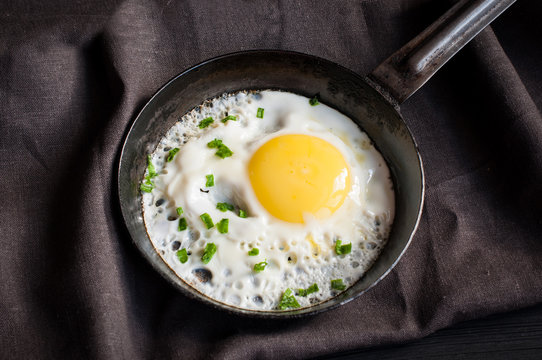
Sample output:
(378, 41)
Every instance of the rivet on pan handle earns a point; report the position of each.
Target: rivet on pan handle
(410, 67)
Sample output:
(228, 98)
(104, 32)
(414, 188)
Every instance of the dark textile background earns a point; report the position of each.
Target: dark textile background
(74, 73)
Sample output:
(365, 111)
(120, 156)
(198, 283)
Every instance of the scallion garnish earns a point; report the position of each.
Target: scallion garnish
(338, 284)
(205, 122)
(222, 150)
(342, 249)
(148, 185)
(214, 144)
(224, 207)
(171, 154)
(242, 213)
(210, 250)
(259, 267)
(210, 180)
(179, 211)
(222, 226)
(288, 300)
(311, 289)
(150, 167)
(182, 255)
(229, 117)
(206, 218)
(254, 252)
(182, 224)
(259, 113)
(314, 101)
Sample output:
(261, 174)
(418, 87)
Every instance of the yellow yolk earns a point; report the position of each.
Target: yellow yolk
(296, 174)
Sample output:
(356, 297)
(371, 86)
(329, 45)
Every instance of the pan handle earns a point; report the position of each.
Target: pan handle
(410, 67)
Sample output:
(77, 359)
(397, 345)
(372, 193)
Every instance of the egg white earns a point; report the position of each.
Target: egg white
(297, 255)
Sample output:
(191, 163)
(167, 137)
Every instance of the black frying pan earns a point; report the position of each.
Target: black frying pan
(372, 102)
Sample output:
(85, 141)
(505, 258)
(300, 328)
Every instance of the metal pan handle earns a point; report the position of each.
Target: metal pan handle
(410, 67)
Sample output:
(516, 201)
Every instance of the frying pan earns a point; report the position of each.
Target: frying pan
(371, 101)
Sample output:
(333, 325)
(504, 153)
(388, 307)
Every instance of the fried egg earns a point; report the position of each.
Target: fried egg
(254, 197)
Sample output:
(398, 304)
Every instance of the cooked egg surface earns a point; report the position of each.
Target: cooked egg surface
(278, 191)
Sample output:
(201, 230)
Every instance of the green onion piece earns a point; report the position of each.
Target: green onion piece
(150, 167)
(222, 226)
(148, 185)
(182, 224)
(206, 218)
(254, 252)
(146, 188)
(259, 267)
(210, 180)
(314, 101)
(342, 249)
(259, 114)
(338, 284)
(205, 122)
(224, 207)
(229, 117)
(214, 144)
(179, 211)
(223, 152)
(182, 255)
(210, 250)
(288, 300)
(171, 154)
(242, 213)
(311, 289)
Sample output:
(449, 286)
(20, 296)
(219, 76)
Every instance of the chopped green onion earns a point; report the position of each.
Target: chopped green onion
(259, 114)
(214, 144)
(148, 185)
(311, 289)
(222, 150)
(206, 218)
(259, 267)
(242, 213)
(254, 252)
(182, 224)
(205, 122)
(171, 154)
(314, 101)
(222, 226)
(210, 180)
(179, 211)
(150, 167)
(229, 117)
(338, 284)
(342, 249)
(224, 207)
(146, 188)
(210, 250)
(182, 255)
(288, 300)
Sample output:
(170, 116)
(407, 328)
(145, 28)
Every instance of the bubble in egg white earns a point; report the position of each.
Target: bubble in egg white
(297, 255)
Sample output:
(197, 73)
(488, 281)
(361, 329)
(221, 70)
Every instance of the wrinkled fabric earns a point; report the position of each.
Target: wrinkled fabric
(73, 74)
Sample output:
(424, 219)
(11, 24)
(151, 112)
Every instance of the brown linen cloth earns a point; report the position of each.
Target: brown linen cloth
(73, 74)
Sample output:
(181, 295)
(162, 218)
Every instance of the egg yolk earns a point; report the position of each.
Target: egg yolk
(296, 174)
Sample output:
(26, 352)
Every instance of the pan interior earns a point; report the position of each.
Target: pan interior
(302, 74)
